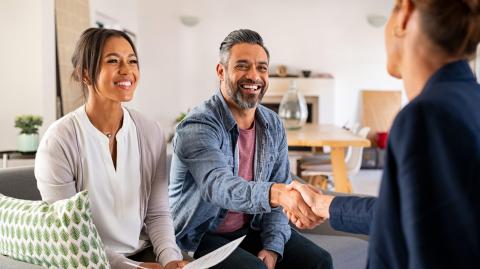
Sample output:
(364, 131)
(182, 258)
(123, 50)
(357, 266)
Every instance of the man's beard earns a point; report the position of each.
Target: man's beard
(244, 101)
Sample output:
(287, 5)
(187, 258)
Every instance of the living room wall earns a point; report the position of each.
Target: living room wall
(178, 62)
(28, 69)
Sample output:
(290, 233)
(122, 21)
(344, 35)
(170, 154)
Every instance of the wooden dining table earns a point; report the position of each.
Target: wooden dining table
(338, 139)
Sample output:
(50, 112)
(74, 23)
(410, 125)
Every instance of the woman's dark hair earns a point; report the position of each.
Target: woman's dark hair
(453, 25)
(88, 51)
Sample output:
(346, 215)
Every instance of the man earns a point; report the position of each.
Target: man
(229, 170)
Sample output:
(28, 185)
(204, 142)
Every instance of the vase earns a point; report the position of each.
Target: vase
(293, 108)
(27, 142)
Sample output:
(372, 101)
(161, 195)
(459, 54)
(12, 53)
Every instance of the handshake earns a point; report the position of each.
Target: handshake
(304, 205)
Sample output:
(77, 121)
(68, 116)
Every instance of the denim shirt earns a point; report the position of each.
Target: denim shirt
(204, 181)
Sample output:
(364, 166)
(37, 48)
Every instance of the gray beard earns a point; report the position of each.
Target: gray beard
(239, 99)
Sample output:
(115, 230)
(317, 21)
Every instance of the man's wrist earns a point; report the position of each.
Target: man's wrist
(275, 194)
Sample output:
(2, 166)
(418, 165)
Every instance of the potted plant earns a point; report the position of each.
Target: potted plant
(27, 140)
(178, 119)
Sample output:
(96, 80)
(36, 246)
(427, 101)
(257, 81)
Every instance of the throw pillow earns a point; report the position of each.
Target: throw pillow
(58, 235)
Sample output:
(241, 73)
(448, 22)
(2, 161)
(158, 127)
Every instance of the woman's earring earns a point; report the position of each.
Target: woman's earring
(398, 31)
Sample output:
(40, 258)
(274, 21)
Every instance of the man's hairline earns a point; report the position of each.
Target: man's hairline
(251, 43)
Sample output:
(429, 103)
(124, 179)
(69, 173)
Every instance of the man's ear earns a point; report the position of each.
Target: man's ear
(220, 72)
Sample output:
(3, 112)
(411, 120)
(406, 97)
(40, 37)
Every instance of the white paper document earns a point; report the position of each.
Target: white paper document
(215, 257)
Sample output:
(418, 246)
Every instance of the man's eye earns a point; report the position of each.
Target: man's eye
(263, 68)
(242, 66)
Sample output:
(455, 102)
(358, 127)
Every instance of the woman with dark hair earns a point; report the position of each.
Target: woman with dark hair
(427, 214)
(115, 153)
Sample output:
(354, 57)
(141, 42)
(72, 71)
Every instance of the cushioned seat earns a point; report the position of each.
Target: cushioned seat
(348, 252)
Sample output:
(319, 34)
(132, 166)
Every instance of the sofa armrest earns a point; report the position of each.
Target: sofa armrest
(19, 182)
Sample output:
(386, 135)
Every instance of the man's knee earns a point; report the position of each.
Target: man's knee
(255, 263)
(247, 263)
(323, 259)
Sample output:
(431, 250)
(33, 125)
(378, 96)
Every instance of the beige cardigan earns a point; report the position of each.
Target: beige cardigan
(60, 153)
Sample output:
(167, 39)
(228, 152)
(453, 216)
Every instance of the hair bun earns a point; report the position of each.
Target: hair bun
(473, 5)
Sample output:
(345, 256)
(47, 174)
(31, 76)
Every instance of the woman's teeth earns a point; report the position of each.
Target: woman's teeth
(124, 83)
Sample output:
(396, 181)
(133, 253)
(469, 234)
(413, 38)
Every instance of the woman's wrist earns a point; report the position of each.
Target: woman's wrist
(322, 206)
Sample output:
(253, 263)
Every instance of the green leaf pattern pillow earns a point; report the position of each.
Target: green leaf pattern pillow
(58, 235)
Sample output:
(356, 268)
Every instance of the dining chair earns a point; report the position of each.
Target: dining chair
(319, 174)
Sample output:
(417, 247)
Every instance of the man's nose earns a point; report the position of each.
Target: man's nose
(253, 74)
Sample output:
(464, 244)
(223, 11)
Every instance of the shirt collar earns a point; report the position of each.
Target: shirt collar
(229, 120)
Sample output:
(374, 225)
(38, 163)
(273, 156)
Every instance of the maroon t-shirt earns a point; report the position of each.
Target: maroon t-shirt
(246, 151)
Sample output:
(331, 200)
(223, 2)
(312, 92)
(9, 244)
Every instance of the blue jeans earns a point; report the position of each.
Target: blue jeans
(299, 252)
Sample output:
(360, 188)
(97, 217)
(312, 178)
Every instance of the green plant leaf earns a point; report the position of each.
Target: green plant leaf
(28, 124)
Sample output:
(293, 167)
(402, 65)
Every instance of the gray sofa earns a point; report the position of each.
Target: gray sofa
(348, 251)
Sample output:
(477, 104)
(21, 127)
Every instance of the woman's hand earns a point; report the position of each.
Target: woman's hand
(292, 201)
(171, 265)
(313, 197)
(150, 265)
(176, 264)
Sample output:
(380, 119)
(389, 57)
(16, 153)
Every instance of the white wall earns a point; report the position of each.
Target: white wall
(178, 62)
(28, 69)
(123, 13)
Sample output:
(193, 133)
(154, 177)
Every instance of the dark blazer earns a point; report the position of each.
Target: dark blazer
(427, 214)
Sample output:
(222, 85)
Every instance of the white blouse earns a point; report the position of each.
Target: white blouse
(114, 193)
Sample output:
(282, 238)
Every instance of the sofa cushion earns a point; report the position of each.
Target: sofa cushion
(58, 235)
(19, 182)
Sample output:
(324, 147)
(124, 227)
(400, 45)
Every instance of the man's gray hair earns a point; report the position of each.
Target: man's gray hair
(237, 37)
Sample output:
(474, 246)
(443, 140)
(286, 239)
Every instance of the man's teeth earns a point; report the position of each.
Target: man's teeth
(252, 87)
(124, 83)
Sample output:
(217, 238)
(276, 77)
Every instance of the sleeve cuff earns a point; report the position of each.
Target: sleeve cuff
(335, 211)
(264, 195)
(168, 255)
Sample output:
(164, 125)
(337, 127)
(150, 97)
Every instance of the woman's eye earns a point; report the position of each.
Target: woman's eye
(134, 61)
(112, 61)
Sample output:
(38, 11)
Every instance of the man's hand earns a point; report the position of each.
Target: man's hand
(268, 257)
(319, 203)
(292, 202)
